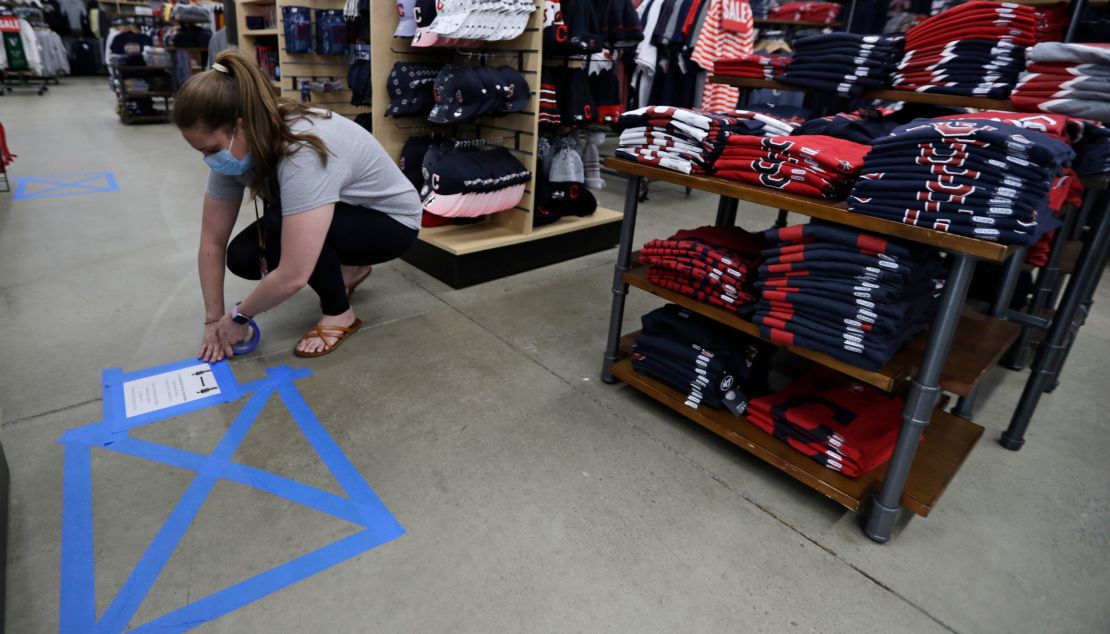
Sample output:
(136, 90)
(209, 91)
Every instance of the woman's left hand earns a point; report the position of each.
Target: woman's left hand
(231, 333)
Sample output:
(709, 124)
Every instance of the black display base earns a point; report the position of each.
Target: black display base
(460, 271)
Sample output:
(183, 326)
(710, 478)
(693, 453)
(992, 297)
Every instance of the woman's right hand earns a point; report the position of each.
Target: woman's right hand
(210, 349)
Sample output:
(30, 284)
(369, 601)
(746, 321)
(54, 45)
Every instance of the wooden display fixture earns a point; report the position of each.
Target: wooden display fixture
(980, 342)
(947, 441)
(913, 96)
(817, 208)
(297, 67)
(504, 243)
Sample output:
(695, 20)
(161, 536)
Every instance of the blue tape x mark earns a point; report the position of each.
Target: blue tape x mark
(28, 188)
(361, 506)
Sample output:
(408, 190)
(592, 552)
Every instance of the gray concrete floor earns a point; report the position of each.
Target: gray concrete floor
(535, 498)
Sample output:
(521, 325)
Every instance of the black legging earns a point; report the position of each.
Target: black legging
(358, 236)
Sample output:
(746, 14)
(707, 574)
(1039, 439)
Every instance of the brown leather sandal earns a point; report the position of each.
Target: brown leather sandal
(362, 278)
(322, 332)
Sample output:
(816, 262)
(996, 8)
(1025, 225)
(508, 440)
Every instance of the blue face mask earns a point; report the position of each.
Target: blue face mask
(223, 162)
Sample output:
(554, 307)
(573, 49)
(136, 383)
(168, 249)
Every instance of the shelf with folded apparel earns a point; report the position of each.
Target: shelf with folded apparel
(817, 208)
(505, 242)
(947, 442)
(936, 99)
(980, 342)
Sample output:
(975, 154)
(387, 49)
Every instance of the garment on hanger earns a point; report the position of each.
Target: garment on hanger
(728, 32)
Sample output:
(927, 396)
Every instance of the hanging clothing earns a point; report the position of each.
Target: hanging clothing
(728, 32)
(55, 59)
(30, 46)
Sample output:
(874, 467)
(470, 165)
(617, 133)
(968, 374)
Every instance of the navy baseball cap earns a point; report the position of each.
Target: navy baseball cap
(516, 93)
(459, 94)
(412, 159)
(492, 82)
(410, 89)
(425, 12)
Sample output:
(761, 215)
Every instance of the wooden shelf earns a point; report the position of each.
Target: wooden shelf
(260, 32)
(802, 24)
(979, 343)
(889, 95)
(465, 239)
(816, 208)
(947, 442)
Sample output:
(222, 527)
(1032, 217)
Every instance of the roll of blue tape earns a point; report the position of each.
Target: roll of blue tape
(251, 342)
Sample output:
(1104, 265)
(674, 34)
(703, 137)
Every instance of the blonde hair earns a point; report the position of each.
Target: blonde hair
(235, 88)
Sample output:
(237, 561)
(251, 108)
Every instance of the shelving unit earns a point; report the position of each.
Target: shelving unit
(295, 67)
(121, 73)
(954, 355)
(1084, 263)
(948, 441)
(506, 242)
(889, 95)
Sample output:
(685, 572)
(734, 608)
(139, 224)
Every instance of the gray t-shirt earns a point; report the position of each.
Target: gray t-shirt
(359, 172)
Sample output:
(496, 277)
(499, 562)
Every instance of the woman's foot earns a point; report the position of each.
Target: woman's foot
(355, 275)
(313, 344)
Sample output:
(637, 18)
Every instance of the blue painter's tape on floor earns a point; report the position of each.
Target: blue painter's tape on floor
(57, 185)
(78, 599)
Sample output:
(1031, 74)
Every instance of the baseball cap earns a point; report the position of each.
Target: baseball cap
(515, 92)
(406, 27)
(412, 159)
(410, 89)
(424, 12)
(469, 182)
(493, 92)
(459, 94)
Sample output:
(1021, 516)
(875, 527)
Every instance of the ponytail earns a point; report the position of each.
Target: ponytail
(235, 88)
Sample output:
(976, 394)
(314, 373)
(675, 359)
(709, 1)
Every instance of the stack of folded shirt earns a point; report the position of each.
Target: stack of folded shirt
(820, 12)
(710, 363)
(752, 66)
(773, 125)
(975, 49)
(679, 139)
(978, 178)
(1093, 151)
(848, 294)
(1066, 188)
(815, 165)
(843, 424)
(845, 63)
(1072, 79)
(859, 127)
(715, 265)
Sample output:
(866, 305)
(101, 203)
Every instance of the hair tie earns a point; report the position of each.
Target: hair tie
(218, 67)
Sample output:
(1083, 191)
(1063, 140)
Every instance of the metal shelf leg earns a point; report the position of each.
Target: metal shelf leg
(920, 401)
(1052, 350)
(620, 288)
(726, 211)
(1018, 356)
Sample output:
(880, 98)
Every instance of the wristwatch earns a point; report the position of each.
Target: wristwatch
(238, 317)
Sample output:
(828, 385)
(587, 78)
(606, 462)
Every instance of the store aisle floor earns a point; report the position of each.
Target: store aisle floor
(535, 498)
